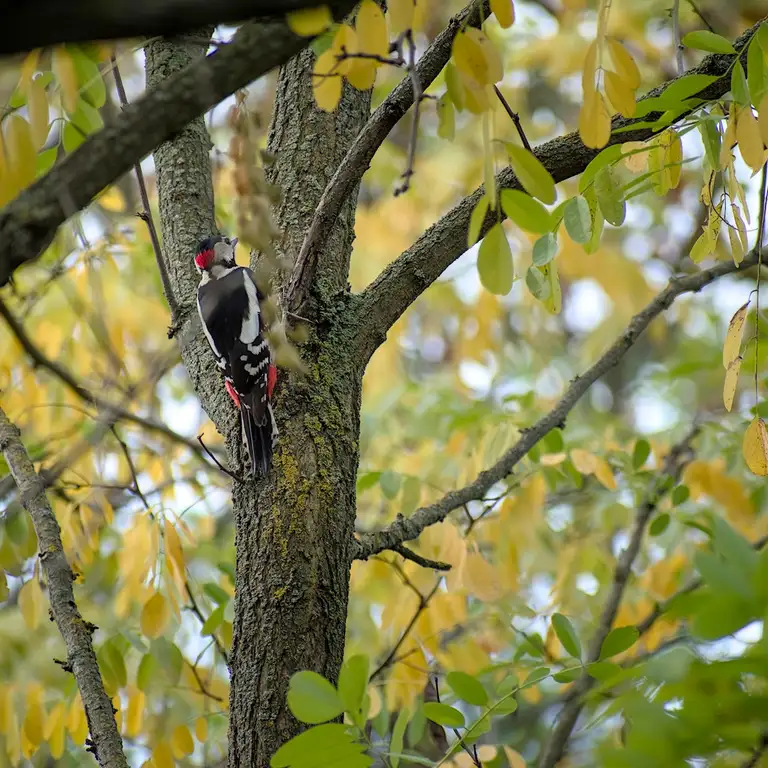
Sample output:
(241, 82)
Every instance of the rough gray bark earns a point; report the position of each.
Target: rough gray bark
(294, 533)
(81, 659)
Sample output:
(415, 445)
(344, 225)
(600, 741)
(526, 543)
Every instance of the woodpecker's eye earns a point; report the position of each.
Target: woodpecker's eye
(226, 240)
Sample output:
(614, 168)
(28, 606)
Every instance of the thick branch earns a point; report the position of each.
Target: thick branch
(28, 224)
(406, 278)
(80, 20)
(107, 744)
(358, 158)
(674, 463)
(408, 528)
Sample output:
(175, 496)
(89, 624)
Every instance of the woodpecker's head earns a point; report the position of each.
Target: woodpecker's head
(215, 252)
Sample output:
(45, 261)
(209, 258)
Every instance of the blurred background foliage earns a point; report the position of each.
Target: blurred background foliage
(146, 517)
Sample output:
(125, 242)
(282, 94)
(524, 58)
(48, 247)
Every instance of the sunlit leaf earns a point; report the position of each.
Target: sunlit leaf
(442, 714)
(618, 641)
(310, 21)
(494, 262)
(534, 177)
(734, 334)
(371, 28)
(504, 11)
(468, 688)
(704, 40)
(527, 212)
(755, 447)
(566, 634)
(155, 615)
(312, 699)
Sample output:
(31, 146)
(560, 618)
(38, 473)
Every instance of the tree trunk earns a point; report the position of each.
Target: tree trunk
(294, 532)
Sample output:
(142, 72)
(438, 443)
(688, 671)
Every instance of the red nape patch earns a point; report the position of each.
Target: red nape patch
(271, 380)
(231, 392)
(204, 259)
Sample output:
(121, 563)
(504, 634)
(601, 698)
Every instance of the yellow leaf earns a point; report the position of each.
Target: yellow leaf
(173, 545)
(731, 380)
(475, 96)
(134, 717)
(162, 756)
(201, 729)
(584, 461)
(737, 251)
(469, 57)
(446, 120)
(729, 138)
(594, 120)
(33, 721)
(31, 603)
(362, 74)
(623, 64)
(37, 104)
(375, 697)
(494, 67)
(400, 13)
(749, 139)
(310, 21)
(64, 69)
(155, 615)
(762, 119)
(634, 160)
(77, 725)
(733, 335)
(345, 41)
(486, 753)
(619, 94)
(481, 579)
(28, 69)
(604, 474)
(504, 11)
(554, 302)
(371, 28)
(454, 85)
(181, 742)
(672, 157)
(589, 69)
(552, 459)
(755, 447)
(21, 151)
(326, 83)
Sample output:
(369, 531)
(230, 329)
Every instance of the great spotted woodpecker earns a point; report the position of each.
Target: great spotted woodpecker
(228, 302)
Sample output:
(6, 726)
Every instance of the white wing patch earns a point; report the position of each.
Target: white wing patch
(250, 328)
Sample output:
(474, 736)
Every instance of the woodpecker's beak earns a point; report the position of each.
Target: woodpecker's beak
(234, 243)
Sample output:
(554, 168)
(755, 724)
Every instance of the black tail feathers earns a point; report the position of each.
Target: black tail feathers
(259, 440)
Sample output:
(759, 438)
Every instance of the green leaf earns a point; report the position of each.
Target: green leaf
(544, 249)
(45, 160)
(215, 592)
(537, 674)
(481, 726)
(566, 634)
(396, 742)
(146, 674)
(534, 177)
(417, 725)
(710, 137)
(494, 262)
(468, 688)
(89, 78)
(529, 214)
(659, 525)
(680, 494)
(213, 622)
(353, 684)
(446, 118)
(567, 675)
(116, 661)
(72, 138)
(733, 546)
(618, 641)
(739, 87)
(312, 699)
(169, 659)
(505, 706)
(86, 118)
(442, 714)
(476, 220)
(704, 40)
(367, 480)
(537, 283)
(720, 615)
(756, 78)
(602, 670)
(608, 156)
(640, 453)
(390, 483)
(578, 222)
(609, 197)
(411, 494)
(330, 739)
(675, 95)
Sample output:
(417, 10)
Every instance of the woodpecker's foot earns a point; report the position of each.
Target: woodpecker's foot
(231, 392)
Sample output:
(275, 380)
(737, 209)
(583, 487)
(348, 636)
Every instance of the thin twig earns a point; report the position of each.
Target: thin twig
(701, 15)
(201, 683)
(417, 92)
(106, 743)
(423, 603)
(761, 748)
(146, 214)
(514, 117)
(680, 455)
(132, 467)
(677, 37)
(217, 462)
(424, 562)
(195, 608)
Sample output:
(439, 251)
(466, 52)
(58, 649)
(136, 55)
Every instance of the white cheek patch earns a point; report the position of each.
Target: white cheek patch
(250, 328)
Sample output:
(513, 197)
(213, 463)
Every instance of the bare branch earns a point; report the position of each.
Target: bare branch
(83, 20)
(360, 154)
(424, 562)
(406, 278)
(674, 463)
(107, 745)
(408, 528)
(28, 223)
